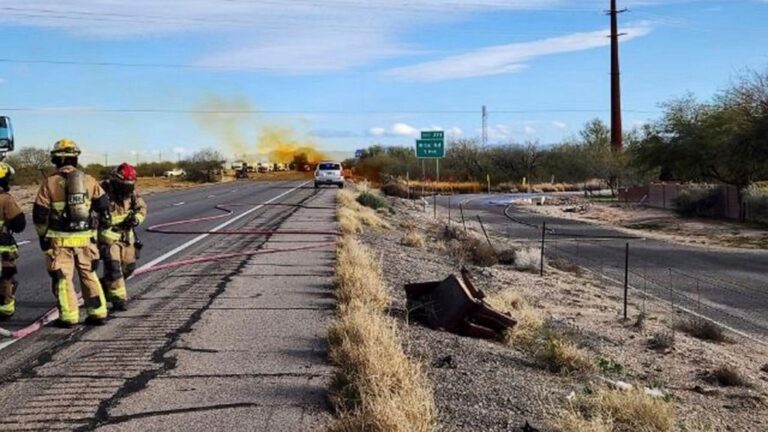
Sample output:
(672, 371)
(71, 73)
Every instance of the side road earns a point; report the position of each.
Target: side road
(237, 344)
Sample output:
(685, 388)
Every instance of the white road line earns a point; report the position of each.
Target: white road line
(173, 252)
(186, 245)
(211, 196)
(181, 203)
(23, 242)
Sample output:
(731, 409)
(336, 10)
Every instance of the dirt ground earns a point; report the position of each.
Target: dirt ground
(659, 223)
(485, 385)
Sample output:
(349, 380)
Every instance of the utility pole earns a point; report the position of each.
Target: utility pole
(106, 160)
(485, 126)
(617, 134)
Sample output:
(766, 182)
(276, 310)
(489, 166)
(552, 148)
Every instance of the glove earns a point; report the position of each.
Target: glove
(132, 220)
(105, 219)
(45, 244)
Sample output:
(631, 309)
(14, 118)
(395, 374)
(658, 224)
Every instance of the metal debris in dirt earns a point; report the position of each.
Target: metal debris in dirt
(456, 306)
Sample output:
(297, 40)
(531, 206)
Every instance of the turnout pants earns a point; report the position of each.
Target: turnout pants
(62, 263)
(119, 263)
(8, 283)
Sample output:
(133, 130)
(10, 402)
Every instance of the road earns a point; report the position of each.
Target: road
(34, 293)
(232, 344)
(729, 286)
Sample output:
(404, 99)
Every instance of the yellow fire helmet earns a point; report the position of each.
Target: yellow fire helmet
(65, 148)
(6, 171)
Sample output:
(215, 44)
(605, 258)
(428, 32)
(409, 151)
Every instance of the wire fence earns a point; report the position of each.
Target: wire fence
(736, 308)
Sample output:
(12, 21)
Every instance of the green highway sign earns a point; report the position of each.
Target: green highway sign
(431, 145)
(433, 135)
(427, 149)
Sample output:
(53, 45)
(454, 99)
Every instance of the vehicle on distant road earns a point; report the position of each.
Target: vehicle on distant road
(329, 173)
(263, 169)
(176, 172)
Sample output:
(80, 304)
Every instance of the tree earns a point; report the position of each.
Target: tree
(30, 163)
(725, 140)
(203, 166)
(601, 161)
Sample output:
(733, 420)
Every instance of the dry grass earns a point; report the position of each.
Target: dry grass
(353, 216)
(701, 329)
(531, 334)
(662, 341)
(726, 376)
(528, 259)
(617, 411)
(446, 187)
(530, 323)
(414, 239)
(561, 356)
(375, 387)
(358, 276)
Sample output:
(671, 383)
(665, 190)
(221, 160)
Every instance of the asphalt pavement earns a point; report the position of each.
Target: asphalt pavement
(236, 344)
(729, 286)
(34, 296)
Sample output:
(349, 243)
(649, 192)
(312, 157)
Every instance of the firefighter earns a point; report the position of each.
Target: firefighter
(12, 220)
(118, 245)
(63, 215)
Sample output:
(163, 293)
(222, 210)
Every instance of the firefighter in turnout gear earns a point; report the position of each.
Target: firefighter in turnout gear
(118, 245)
(63, 215)
(12, 220)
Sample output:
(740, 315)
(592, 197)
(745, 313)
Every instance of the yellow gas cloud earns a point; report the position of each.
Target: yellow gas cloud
(250, 136)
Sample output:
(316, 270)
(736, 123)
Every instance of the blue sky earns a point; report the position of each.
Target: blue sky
(145, 79)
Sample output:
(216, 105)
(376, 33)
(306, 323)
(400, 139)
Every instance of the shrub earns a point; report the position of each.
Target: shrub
(507, 256)
(756, 199)
(662, 341)
(371, 200)
(528, 259)
(699, 201)
(413, 238)
(395, 189)
(726, 376)
(701, 329)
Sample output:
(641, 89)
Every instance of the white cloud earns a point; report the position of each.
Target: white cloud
(499, 132)
(529, 130)
(399, 130)
(510, 58)
(377, 131)
(454, 132)
(404, 129)
(279, 36)
(560, 125)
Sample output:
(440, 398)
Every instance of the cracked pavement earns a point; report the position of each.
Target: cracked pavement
(237, 344)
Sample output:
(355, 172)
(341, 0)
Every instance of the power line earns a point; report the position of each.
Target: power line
(86, 110)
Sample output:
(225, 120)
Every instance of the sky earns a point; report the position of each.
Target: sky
(159, 79)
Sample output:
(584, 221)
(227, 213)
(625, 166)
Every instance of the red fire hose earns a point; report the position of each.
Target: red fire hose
(163, 228)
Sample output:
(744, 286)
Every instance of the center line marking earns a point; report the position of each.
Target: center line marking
(178, 204)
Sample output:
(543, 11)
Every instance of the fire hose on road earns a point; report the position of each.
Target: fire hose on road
(168, 228)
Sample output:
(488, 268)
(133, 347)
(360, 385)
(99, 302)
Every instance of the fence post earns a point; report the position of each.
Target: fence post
(543, 236)
(408, 183)
(488, 239)
(626, 279)
(671, 296)
(449, 211)
(434, 205)
(461, 211)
